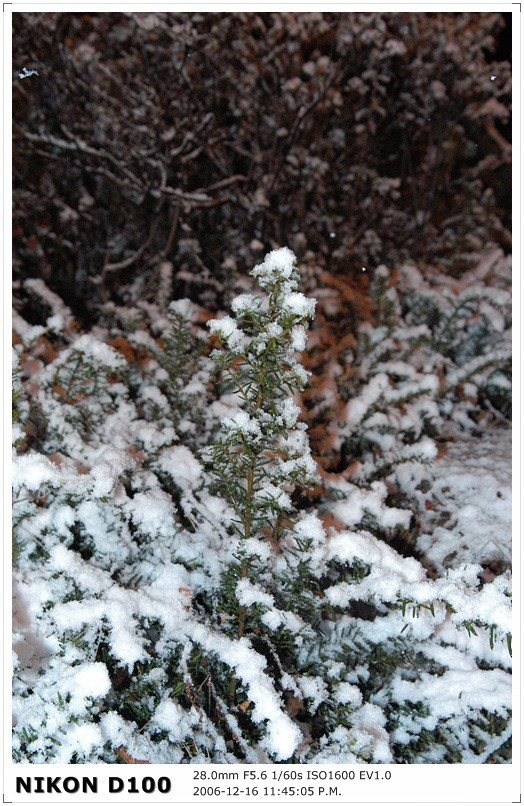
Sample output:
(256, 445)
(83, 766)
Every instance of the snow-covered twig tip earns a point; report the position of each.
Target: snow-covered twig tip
(26, 73)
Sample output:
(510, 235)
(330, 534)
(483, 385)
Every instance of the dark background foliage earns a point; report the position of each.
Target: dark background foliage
(205, 139)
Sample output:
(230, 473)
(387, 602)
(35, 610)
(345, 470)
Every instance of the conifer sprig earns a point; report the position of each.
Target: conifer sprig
(262, 451)
(262, 448)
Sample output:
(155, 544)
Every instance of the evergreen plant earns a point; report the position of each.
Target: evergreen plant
(178, 601)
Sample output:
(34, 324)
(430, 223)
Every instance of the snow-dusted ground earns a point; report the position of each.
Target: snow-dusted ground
(471, 482)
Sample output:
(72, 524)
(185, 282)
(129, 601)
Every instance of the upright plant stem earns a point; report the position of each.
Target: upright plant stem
(247, 522)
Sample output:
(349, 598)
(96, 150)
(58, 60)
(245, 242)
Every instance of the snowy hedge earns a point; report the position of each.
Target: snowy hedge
(179, 599)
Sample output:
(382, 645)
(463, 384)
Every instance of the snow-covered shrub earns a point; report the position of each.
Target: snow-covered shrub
(432, 377)
(177, 600)
(437, 363)
(20, 406)
(262, 452)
